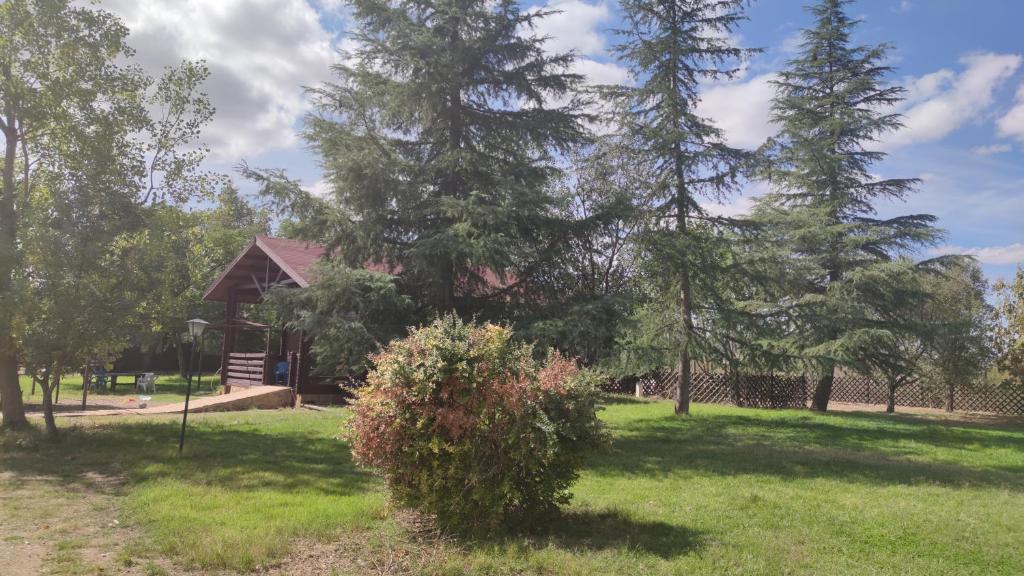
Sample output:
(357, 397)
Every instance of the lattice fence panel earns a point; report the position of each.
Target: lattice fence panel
(777, 391)
(767, 391)
(997, 400)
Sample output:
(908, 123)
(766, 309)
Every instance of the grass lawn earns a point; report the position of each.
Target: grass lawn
(170, 388)
(726, 491)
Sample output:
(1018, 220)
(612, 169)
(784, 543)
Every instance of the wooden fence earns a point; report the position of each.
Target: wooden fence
(780, 391)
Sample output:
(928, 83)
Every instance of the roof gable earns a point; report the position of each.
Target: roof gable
(263, 263)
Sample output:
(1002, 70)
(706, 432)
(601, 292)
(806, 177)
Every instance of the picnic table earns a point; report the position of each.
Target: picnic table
(112, 377)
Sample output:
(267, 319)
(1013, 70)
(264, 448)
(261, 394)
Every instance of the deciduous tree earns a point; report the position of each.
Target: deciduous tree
(76, 119)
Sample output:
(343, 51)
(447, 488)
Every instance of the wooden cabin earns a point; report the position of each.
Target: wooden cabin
(265, 263)
(268, 262)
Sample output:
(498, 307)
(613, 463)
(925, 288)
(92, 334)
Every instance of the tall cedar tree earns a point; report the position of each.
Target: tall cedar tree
(831, 104)
(671, 47)
(436, 139)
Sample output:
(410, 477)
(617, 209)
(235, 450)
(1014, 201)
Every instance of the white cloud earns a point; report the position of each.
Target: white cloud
(573, 27)
(736, 206)
(940, 102)
(995, 255)
(600, 72)
(260, 55)
(1012, 124)
(903, 7)
(321, 188)
(739, 204)
(741, 109)
(992, 149)
(791, 44)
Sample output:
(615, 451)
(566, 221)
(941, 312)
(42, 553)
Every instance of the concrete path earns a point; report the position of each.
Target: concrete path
(257, 397)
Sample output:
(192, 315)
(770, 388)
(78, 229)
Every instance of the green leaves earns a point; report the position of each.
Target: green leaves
(466, 426)
(349, 313)
(845, 283)
(436, 138)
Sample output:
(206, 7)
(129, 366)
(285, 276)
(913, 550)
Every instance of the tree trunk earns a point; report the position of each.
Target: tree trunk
(890, 407)
(147, 356)
(48, 386)
(949, 397)
(180, 349)
(823, 390)
(11, 405)
(685, 297)
(734, 377)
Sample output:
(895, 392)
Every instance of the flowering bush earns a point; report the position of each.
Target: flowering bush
(465, 425)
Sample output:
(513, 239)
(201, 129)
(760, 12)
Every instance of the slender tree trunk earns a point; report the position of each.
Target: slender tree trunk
(949, 397)
(890, 407)
(734, 376)
(11, 405)
(179, 348)
(823, 389)
(685, 297)
(147, 356)
(51, 424)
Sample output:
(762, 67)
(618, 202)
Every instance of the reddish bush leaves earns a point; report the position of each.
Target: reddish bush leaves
(465, 425)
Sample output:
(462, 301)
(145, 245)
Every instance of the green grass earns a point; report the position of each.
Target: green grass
(726, 491)
(169, 389)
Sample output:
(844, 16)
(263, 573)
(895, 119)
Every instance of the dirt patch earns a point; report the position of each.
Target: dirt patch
(51, 527)
(406, 547)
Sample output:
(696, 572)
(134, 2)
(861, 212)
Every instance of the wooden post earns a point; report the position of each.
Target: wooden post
(268, 364)
(85, 385)
(301, 370)
(293, 376)
(230, 312)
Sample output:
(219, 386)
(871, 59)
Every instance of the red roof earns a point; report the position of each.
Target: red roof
(267, 261)
(298, 255)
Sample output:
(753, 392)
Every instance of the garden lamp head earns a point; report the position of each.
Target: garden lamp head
(196, 327)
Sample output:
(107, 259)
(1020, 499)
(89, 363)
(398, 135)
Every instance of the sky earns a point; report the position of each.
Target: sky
(962, 62)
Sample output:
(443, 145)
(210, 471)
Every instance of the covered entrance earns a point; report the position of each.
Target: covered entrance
(251, 350)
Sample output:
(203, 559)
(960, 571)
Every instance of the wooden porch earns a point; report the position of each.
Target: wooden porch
(264, 264)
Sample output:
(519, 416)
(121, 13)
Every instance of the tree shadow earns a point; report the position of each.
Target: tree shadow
(584, 531)
(810, 447)
(216, 454)
(605, 530)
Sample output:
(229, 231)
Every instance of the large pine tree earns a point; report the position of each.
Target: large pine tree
(671, 47)
(832, 105)
(436, 139)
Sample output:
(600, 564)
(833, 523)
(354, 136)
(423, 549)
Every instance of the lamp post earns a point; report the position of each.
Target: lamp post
(195, 331)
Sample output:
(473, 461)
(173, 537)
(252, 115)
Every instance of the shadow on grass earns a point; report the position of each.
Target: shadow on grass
(612, 530)
(217, 453)
(585, 531)
(862, 448)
